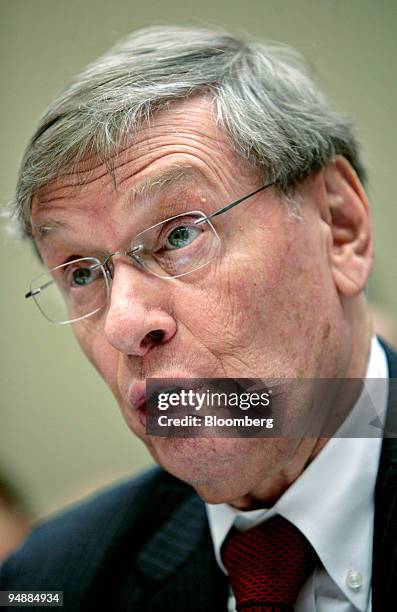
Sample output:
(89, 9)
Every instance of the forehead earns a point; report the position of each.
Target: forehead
(181, 145)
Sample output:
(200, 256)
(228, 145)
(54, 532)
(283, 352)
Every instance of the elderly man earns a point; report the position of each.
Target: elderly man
(201, 210)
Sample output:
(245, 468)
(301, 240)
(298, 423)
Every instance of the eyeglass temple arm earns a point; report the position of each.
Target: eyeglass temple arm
(229, 206)
(38, 290)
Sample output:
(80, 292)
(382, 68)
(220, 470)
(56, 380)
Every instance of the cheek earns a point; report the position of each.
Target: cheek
(268, 303)
(98, 351)
(227, 304)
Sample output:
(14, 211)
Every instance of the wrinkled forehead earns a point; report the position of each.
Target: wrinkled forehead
(181, 145)
(181, 177)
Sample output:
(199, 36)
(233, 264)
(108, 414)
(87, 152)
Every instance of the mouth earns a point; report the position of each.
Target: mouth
(137, 394)
(137, 400)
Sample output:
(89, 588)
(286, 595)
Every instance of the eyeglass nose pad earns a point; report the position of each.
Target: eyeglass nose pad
(108, 269)
(134, 255)
(137, 249)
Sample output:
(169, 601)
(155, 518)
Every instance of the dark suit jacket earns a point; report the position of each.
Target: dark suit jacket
(145, 545)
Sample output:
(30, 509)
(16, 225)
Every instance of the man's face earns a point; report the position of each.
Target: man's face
(266, 307)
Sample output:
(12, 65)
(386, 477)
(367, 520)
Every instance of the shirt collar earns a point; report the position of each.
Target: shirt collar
(332, 502)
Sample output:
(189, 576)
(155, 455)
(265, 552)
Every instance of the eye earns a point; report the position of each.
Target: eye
(83, 276)
(181, 236)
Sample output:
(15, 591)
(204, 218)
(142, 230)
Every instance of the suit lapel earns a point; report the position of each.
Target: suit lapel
(384, 573)
(159, 557)
(177, 565)
(172, 545)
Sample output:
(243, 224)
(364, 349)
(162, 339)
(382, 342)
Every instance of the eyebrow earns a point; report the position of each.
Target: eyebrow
(40, 231)
(173, 177)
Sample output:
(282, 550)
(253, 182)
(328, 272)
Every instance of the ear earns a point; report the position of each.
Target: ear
(348, 215)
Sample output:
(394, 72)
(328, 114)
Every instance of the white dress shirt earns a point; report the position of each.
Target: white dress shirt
(332, 503)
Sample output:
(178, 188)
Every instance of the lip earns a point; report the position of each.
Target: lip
(137, 395)
(137, 400)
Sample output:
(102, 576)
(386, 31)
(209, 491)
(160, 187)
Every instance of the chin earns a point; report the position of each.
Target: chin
(219, 469)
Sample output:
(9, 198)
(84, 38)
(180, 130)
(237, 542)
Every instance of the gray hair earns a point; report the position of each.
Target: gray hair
(274, 114)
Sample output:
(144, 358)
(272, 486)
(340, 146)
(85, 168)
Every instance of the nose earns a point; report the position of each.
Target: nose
(136, 319)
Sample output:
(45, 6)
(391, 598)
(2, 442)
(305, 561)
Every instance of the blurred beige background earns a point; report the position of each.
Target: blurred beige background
(61, 434)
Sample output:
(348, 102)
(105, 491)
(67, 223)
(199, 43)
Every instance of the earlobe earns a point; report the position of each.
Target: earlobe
(351, 245)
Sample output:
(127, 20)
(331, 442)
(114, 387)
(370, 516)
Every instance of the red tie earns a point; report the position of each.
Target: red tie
(268, 565)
